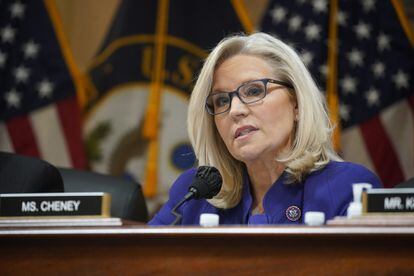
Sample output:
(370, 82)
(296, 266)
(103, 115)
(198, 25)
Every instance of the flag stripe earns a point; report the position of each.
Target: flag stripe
(352, 142)
(382, 152)
(53, 150)
(22, 136)
(69, 115)
(5, 141)
(401, 134)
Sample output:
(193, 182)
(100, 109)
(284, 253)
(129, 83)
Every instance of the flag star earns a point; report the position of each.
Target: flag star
(355, 57)
(323, 69)
(3, 58)
(348, 84)
(372, 97)
(362, 30)
(45, 88)
(342, 18)
(294, 23)
(17, 10)
(7, 34)
(383, 42)
(307, 57)
(369, 5)
(344, 112)
(13, 98)
(378, 68)
(30, 49)
(278, 14)
(21, 73)
(401, 80)
(320, 6)
(312, 32)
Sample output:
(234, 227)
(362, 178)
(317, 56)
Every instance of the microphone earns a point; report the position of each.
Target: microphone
(206, 184)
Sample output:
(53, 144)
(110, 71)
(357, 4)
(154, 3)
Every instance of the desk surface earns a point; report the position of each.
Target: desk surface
(142, 230)
(135, 249)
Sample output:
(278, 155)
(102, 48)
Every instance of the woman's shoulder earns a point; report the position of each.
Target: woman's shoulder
(342, 171)
(340, 175)
(331, 186)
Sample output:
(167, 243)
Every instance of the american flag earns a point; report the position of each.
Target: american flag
(39, 115)
(374, 80)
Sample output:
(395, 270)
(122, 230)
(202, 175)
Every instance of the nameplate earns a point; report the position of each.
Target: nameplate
(33, 205)
(388, 201)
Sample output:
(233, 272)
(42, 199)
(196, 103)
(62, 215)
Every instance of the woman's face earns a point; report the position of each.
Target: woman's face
(260, 130)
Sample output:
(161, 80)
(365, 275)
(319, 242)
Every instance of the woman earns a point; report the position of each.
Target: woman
(257, 116)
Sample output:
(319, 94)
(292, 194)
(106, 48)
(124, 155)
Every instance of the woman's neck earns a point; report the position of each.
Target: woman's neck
(262, 176)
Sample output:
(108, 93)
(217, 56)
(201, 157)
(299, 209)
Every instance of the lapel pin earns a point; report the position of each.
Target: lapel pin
(293, 213)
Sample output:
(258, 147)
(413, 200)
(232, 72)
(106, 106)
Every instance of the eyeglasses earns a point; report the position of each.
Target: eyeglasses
(249, 92)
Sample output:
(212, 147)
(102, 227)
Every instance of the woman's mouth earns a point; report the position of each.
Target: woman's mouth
(243, 131)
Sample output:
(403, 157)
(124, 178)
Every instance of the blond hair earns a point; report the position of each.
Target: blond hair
(311, 149)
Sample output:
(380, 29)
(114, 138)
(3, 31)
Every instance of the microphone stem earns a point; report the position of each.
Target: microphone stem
(177, 215)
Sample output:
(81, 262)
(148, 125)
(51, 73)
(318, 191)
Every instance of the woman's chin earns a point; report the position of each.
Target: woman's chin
(247, 156)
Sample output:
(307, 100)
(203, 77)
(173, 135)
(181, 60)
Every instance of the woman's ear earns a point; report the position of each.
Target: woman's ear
(296, 111)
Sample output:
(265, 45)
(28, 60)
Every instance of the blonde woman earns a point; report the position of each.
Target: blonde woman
(257, 116)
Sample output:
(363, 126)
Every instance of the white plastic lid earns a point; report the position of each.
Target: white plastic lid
(355, 207)
(314, 218)
(209, 220)
(357, 189)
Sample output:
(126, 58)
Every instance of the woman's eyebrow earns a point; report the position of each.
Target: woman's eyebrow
(218, 90)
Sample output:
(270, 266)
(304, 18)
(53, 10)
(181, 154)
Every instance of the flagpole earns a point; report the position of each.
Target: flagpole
(243, 15)
(75, 146)
(67, 52)
(332, 89)
(151, 124)
(403, 20)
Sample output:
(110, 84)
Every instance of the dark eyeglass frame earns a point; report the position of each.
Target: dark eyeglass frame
(210, 110)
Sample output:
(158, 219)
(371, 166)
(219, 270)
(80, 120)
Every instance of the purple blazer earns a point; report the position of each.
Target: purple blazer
(328, 190)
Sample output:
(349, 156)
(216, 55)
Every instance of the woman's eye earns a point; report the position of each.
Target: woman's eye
(253, 91)
(221, 100)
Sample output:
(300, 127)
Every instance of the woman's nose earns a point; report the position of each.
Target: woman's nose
(237, 107)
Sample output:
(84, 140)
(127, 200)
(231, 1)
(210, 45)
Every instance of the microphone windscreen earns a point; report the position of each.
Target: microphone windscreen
(207, 182)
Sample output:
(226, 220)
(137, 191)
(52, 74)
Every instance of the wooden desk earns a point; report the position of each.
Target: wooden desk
(140, 250)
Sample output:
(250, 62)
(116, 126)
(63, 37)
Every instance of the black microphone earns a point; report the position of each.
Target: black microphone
(206, 184)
